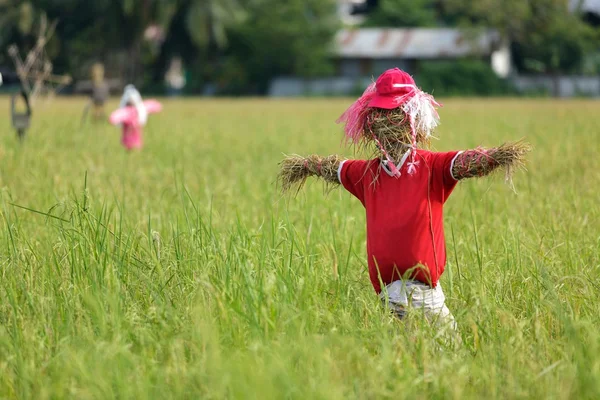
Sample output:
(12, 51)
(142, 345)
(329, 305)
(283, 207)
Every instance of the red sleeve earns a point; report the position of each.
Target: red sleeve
(442, 173)
(351, 174)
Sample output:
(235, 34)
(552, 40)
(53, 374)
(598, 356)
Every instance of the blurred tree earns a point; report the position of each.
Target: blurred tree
(207, 25)
(240, 44)
(16, 25)
(17, 15)
(279, 38)
(403, 13)
(546, 36)
(207, 21)
(82, 37)
(123, 28)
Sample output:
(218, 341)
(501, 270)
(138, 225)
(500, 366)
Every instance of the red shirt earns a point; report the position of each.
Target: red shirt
(405, 227)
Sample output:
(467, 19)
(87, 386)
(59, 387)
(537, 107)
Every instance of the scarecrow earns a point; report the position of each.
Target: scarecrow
(132, 115)
(99, 95)
(21, 119)
(20, 108)
(403, 188)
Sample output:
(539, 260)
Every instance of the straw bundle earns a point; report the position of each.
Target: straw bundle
(392, 130)
(481, 162)
(296, 169)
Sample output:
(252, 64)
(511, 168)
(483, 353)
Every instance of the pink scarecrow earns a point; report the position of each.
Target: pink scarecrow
(132, 115)
(403, 189)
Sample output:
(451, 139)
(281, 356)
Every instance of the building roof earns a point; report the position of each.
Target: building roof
(415, 43)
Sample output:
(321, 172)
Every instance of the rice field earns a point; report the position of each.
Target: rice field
(181, 272)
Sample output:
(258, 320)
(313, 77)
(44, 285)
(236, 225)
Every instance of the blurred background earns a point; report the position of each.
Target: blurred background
(309, 47)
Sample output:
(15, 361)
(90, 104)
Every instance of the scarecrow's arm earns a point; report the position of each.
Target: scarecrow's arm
(295, 170)
(480, 162)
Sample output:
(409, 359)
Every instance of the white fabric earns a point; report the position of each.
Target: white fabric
(401, 85)
(399, 166)
(452, 165)
(339, 171)
(403, 159)
(132, 94)
(403, 296)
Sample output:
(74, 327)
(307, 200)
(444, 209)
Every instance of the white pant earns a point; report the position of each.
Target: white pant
(404, 295)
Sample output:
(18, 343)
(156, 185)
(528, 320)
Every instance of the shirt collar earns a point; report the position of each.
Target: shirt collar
(398, 166)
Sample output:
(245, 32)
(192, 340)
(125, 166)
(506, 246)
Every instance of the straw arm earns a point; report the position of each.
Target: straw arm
(294, 170)
(481, 161)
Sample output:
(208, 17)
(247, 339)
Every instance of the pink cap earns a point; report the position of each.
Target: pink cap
(390, 87)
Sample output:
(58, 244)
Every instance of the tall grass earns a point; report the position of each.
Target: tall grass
(180, 272)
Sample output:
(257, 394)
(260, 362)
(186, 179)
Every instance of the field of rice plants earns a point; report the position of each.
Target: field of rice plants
(180, 271)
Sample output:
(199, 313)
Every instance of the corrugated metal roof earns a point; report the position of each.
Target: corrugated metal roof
(419, 43)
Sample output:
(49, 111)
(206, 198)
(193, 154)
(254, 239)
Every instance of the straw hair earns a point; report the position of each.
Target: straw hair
(294, 170)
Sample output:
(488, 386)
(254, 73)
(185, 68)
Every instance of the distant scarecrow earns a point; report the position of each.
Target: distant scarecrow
(99, 94)
(20, 119)
(403, 188)
(132, 115)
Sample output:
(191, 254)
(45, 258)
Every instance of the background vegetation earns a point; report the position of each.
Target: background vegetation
(238, 46)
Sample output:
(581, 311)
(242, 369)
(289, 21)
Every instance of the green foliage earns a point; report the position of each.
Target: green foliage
(461, 78)
(26, 16)
(290, 38)
(547, 37)
(592, 63)
(557, 41)
(510, 17)
(207, 21)
(16, 20)
(240, 44)
(403, 13)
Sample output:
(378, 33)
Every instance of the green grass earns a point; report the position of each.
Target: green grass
(180, 272)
